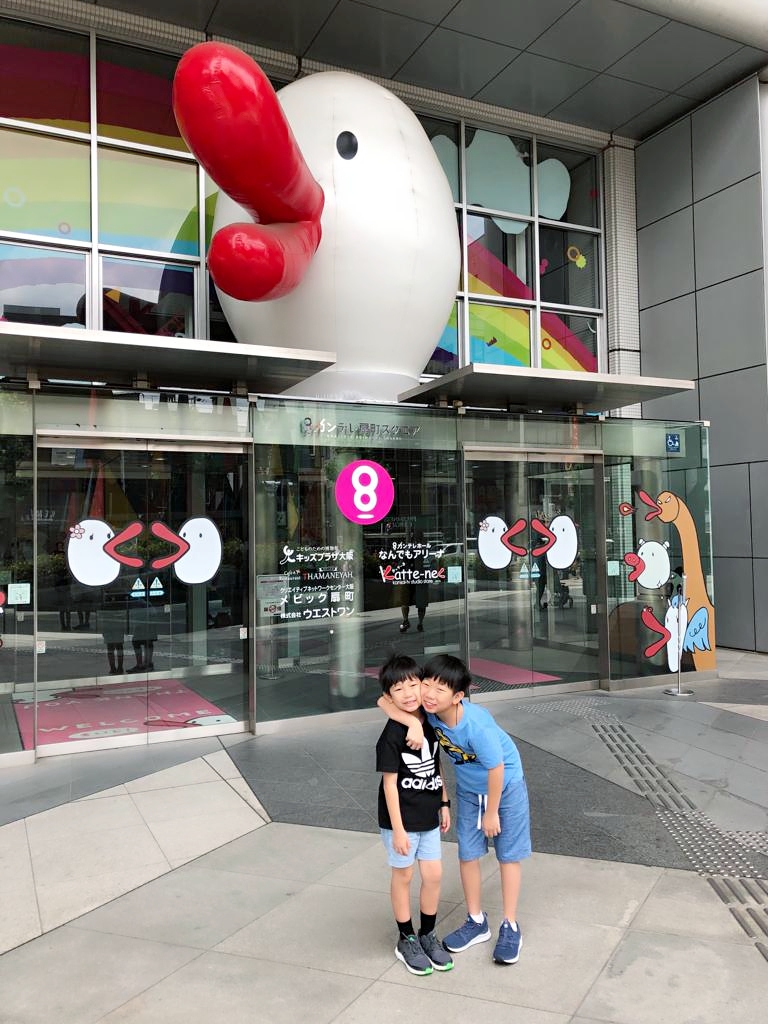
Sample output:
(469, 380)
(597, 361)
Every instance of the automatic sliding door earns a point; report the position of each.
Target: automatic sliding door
(532, 579)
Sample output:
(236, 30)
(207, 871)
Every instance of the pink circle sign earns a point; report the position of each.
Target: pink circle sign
(364, 492)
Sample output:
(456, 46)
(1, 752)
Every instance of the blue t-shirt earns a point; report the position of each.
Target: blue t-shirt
(475, 745)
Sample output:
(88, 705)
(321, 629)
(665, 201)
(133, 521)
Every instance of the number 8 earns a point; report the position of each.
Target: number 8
(364, 497)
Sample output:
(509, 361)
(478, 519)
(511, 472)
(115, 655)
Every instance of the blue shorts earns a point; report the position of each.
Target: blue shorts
(422, 846)
(513, 843)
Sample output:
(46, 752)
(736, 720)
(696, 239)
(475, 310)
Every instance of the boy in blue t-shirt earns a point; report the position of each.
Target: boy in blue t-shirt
(491, 794)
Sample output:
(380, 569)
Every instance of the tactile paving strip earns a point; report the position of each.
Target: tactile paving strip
(718, 855)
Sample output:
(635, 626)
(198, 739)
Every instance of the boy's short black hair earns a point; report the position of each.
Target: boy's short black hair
(449, 670)
(396, 669)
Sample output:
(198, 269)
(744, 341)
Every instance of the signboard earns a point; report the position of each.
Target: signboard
(321, 582)
(673, 444)
(272, 592)
(18, 593)
(364, 492)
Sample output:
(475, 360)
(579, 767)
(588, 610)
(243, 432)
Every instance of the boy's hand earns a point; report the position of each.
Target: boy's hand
(445, 819)
(400, 842)
(491, 825)
(414, 738)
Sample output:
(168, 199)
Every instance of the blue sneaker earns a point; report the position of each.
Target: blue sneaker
(510, 942)
(466, 936)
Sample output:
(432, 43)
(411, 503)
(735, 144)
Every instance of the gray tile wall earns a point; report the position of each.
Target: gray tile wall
(702, 289)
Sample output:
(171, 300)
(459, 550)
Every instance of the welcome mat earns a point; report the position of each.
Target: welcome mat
(508, 675)
(121, 709)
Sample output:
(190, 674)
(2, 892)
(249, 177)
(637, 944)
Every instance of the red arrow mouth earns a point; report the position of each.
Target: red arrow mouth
(639, 565)
(545, 531)
(513, 530)
(650, 620)
(110, 548)
(648, 500)
(166, 533)
(232, 121)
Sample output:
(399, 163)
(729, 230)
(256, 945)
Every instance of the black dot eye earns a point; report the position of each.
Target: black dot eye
(346, 145)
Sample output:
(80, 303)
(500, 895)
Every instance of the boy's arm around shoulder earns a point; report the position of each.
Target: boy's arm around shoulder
(415, 735)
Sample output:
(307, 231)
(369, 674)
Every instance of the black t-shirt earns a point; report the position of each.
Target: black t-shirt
(419, 785)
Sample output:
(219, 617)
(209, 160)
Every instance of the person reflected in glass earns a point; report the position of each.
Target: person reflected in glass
(144, 637)
(113, 632)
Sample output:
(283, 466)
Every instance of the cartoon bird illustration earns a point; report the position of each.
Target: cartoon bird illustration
(672, 631)
(561, 543)
(92, 551)
(650, 566)
(494, 542)
(335, 228)
(699, 636)
(198, 549)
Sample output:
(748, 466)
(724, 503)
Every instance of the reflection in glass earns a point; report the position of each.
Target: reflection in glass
(147, 297)
(219, 325)
(444, 136)
(133, 89)
(446, 356)
(500, 256)
(42, 286)
(147, 202)
(45, 185)
(569, 267)
(498, 172)
(568, 342)
(44, 76)
(567, 183)
(499, 334)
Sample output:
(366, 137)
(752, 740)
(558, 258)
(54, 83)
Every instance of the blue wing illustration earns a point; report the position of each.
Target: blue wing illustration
(697, 634)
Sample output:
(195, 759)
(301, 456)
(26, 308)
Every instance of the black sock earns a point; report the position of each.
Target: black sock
(406, 928)
(427, 923)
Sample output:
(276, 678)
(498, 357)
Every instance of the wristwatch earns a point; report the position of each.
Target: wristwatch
(445, 803)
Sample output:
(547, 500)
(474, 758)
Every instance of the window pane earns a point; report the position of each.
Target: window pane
(500, 256)
(568, 342)
(569, 272)
(498, 172)
(44, 185)
(446, 356)
(147, 202)
(444, 137)
(42, 286)
(143, 297)
(134, 96)
(499, 334)
(44, 76)
(567, 183)
(219, 325)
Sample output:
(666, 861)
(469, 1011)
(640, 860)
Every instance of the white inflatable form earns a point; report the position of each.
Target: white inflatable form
(380, 288)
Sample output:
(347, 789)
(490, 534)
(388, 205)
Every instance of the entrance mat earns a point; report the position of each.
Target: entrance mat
(94, 712)
(508, 675)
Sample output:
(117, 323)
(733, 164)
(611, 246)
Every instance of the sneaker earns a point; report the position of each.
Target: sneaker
(439, 956)
(507, 950)
(413, 956)
(466, 936)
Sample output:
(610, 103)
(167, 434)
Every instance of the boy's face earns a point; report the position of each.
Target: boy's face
(437, 697)
(406, 695)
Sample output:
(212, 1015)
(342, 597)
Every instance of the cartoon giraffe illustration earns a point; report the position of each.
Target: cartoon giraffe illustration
(700, 633)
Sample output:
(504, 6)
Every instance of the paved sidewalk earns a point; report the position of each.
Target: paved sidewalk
(214, 888)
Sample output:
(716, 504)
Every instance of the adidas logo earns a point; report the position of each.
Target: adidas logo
(422, 766)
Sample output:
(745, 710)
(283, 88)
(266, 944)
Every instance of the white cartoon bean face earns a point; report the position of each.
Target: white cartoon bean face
(200, 556)
(650, 566)
(490, 547)
(92, 554)
(560, 541)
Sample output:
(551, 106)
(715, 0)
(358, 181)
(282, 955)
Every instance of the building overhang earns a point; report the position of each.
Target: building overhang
(32, 352)
(525, 389)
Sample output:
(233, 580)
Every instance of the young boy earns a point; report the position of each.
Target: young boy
(491, 795)
(413, 811)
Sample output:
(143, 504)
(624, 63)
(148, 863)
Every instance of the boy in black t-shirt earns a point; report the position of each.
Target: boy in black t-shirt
(413, 810)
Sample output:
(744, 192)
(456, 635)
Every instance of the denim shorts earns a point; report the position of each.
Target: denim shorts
(513, 843)
(423, 846)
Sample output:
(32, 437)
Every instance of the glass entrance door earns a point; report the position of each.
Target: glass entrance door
(531, 568)
(141, 594)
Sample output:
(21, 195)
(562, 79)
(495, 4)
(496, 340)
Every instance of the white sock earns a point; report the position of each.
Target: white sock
(512, 924)
(478, 918)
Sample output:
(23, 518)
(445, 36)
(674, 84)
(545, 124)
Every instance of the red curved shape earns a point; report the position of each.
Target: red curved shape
(513, 530)
(255, 262)
(232, 121)
(549, 537)
(648, 500)
(166, 533)
(650, 620)
(638, 565)
(110, 548)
